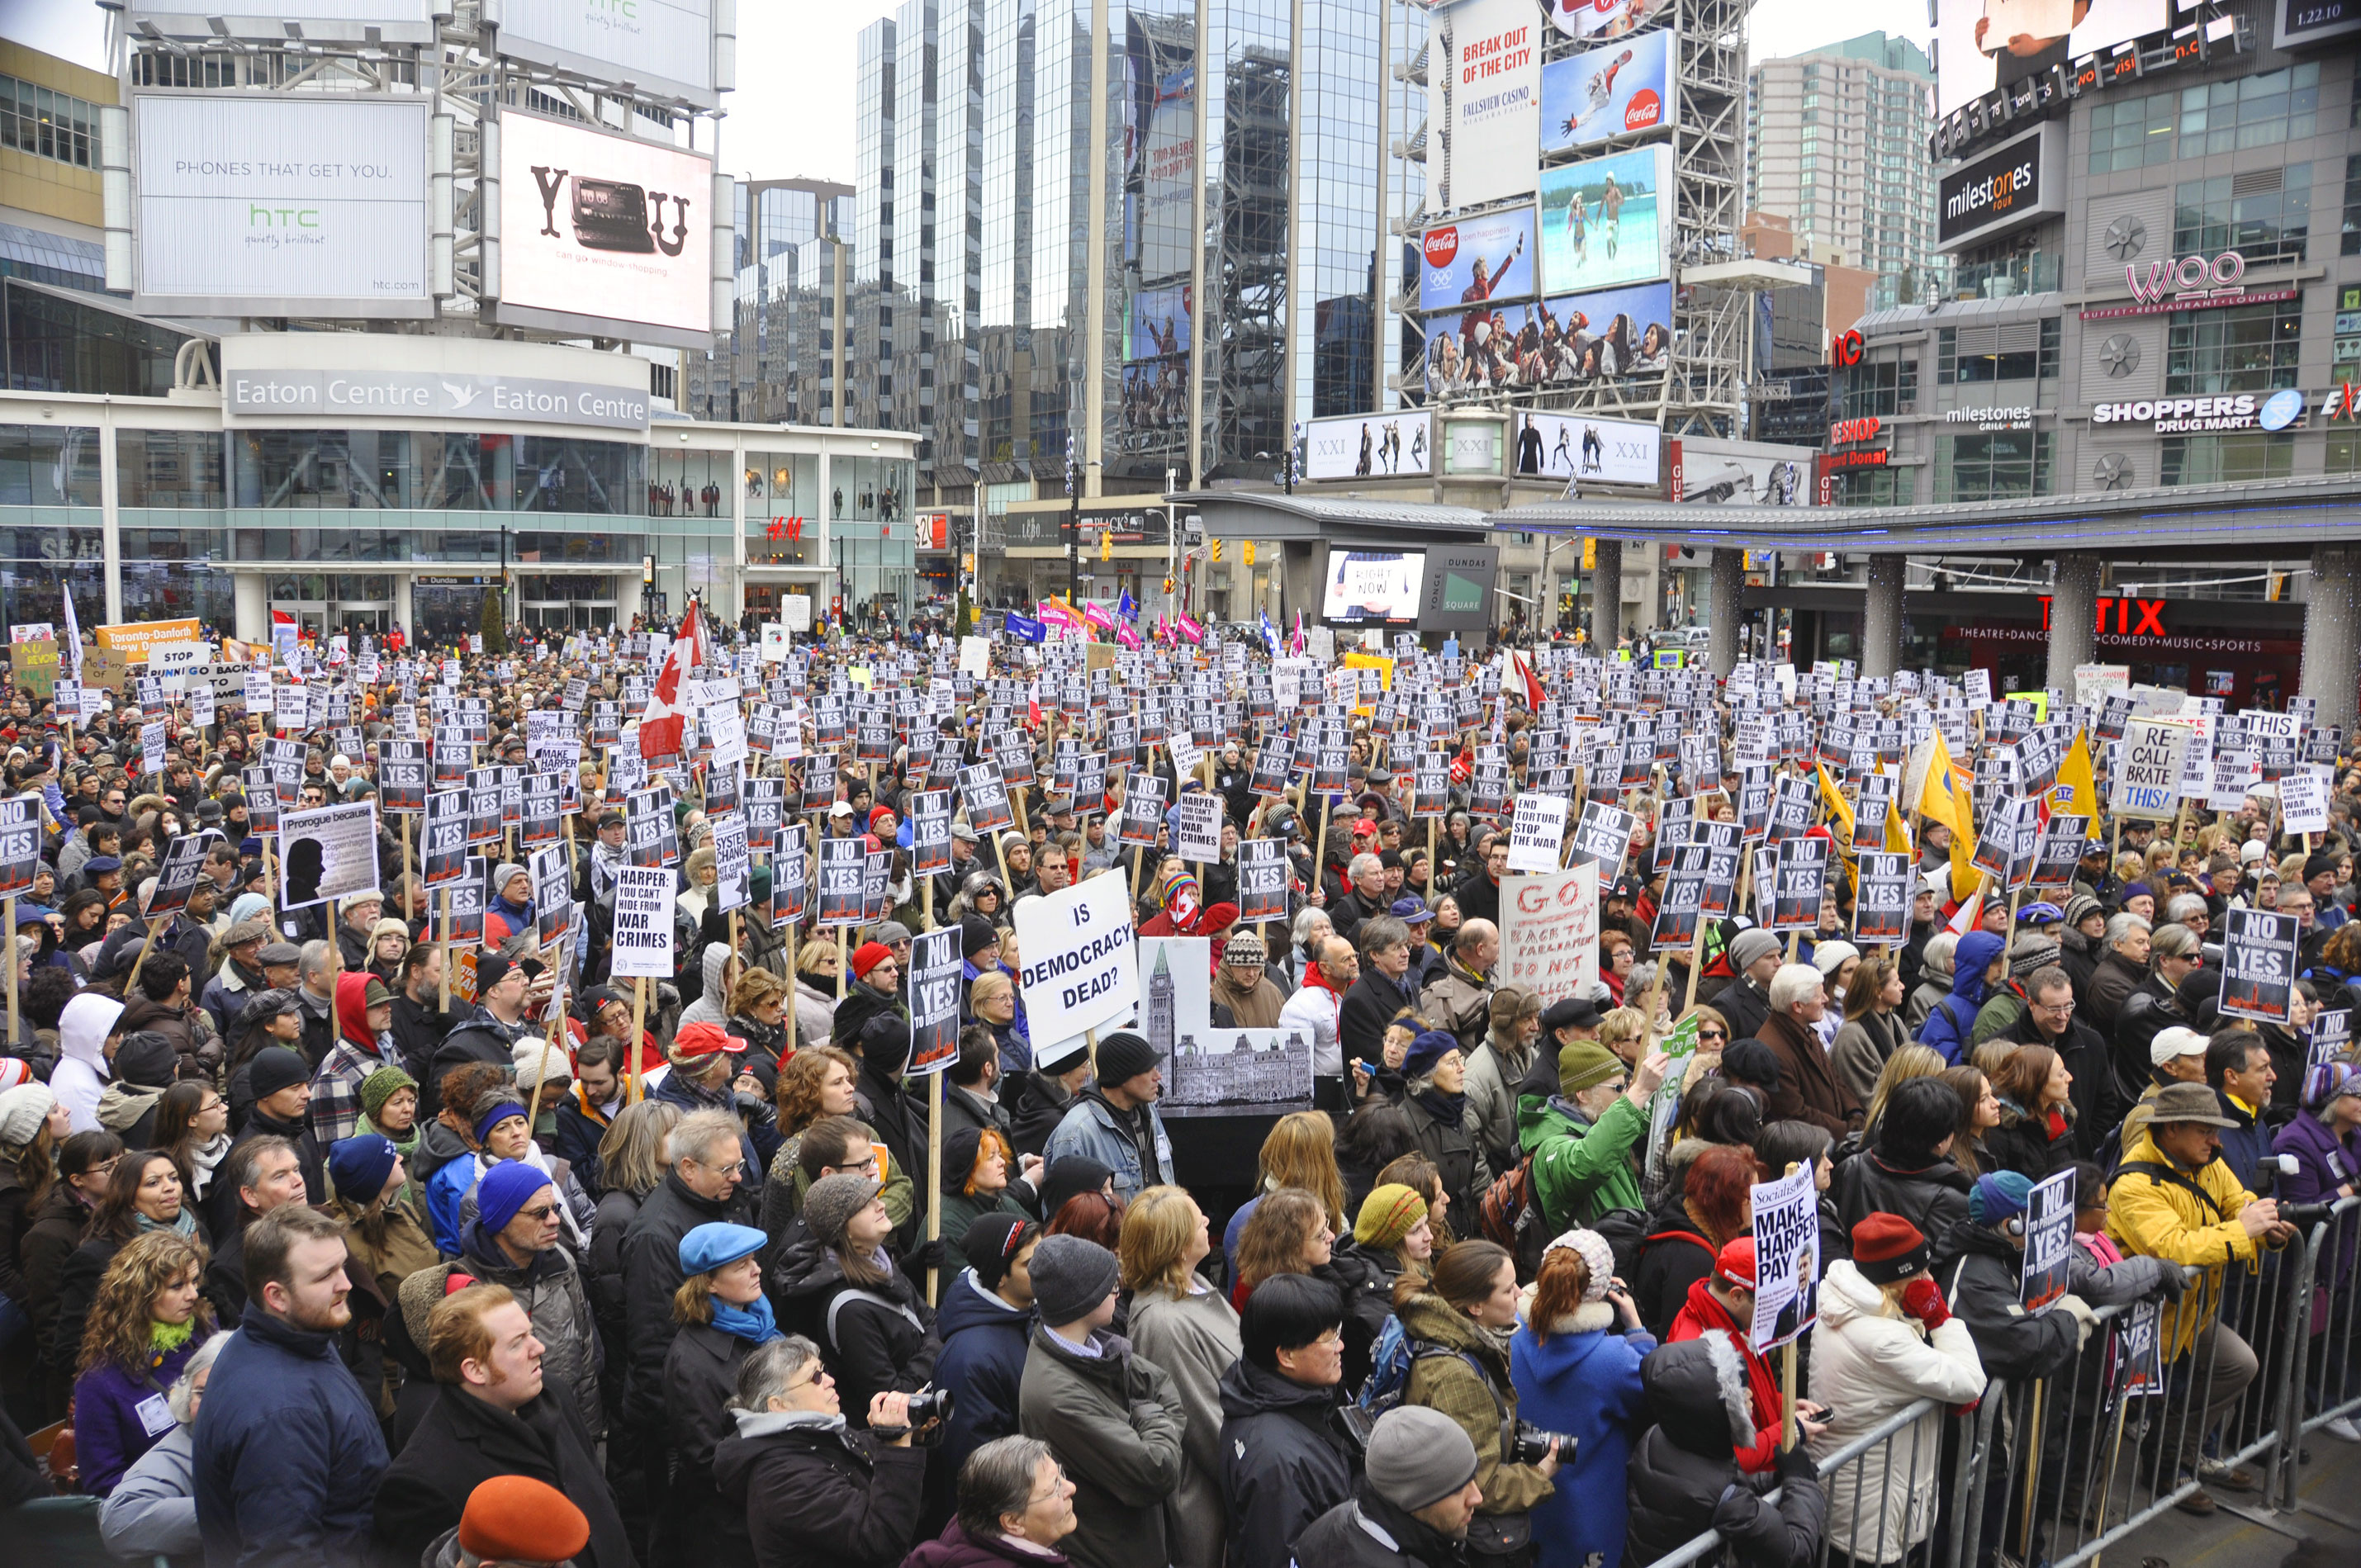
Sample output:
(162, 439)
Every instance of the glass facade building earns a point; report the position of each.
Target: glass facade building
(1156, 244)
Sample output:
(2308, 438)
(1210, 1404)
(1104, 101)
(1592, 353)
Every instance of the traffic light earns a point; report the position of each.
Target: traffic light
(1590, 554)
(1213, 550)
(1106, 544)
(1246, 553)
(1167, 585)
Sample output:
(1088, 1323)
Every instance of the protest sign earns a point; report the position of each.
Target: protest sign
(643, 897)
(1537, 832)
(326, 852)
(2258, 964)
(443, 851)
(930, 832)
(2303, 802)
(1143, 810)
(1802, 882)
(985, 796)
(184, 861)
(1079, 969)
(935, 964)
(1881, 910)
(2049, 1221)
(1786, 1258)
(790, 875)
(843, 871)
(20, 843)
(1263, 876)
(553, 893)
(1549, 932)
(1677, 912)
(1603, 833)
(2147, 779)
(1199, 838)
(734, 864)
(2328, 1037)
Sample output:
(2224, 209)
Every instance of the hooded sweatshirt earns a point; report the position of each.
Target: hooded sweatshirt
(80, 1079)
(1952, 1023)
(711, 1006)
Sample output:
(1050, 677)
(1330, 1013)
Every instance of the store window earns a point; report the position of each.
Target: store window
(689, 484)
(1882, 388)
(2012, 351)
(43, 466)
(2349, 234)
(1994, 466)
(2245, 348)
(2134, 132)
(2226, 459)
(2263, 215)
(2262, 110)
(1872, 487)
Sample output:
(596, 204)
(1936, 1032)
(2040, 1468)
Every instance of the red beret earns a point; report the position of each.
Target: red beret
(518, 1519)
(868, 956)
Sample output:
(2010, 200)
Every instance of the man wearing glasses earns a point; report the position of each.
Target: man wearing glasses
(705, 1183)
(2049, 1020)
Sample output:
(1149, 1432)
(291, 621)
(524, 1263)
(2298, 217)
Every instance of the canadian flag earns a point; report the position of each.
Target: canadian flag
(1524, 671)
(660, 722)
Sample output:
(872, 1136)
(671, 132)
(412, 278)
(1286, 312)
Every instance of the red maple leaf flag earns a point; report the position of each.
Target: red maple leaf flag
(1533, 694)
(660, 722)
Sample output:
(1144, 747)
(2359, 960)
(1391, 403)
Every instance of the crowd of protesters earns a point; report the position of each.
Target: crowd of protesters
(307, 1256)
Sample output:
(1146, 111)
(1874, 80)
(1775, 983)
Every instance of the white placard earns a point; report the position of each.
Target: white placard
(326, 853)
(1200, 839)
(1786, 1258)
(1549, 932)
(1079, 969)
(2303, 802)
(1537, 832)
(643, 896)
(2145, 782)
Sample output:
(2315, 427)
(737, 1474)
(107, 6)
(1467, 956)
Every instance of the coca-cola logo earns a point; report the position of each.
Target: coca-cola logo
(1442, 246)
(1645, 109)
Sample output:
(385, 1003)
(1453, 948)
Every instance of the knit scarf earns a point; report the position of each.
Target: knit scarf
(186, 1225)
(1451, 1110)
(204, 1158)
(755, 1324)
(163, 1339)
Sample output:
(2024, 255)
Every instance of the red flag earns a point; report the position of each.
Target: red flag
(660, 722)
(1534, 696)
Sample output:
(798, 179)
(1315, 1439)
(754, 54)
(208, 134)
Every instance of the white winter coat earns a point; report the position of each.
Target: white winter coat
(1868, 1363)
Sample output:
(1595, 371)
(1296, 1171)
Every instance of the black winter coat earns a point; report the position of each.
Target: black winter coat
(2096, 1108)
(651, 1272)
(465, 1441)
(1930, 1194)
(701, 1375)
(1036, 1104)
(817, 1496)
(875, 1340)
(1341, 1539)
(1675, 1494)
(604, 1275)
(1454, 1149)
(1282, 1464)
(1674, 1256)
(1983, 1277)
(480, 1038)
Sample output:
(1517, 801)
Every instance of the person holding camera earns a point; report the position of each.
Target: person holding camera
(1576, 1367)
(812, 1492)
(1459, 1322)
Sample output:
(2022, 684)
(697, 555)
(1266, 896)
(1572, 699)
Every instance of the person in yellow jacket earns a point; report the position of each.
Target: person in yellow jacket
(2174, 1198)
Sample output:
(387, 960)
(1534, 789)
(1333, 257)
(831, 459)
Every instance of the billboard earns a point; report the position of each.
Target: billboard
(1981, 44)
(1160, 323)
(666, 44)
(1743, 473)
(1605, 18)
(1587, 450)
(348, 21)
(2012, 184)
(2301, 22)
(315, 204)
(1612, 91)
(1572, 341)
(597, 228)
(1167, 175)
(1495, 99)
(1607, 221)
(1459, 593)
(1363, 446)
(1372, 587)
(2104, 24)
(1476, 260)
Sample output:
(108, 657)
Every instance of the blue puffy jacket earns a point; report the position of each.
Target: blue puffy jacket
(289, 1452)
(982, 1360)
(1952, 1023)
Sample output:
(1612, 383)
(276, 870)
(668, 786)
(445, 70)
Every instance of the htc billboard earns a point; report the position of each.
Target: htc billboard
(294, 205)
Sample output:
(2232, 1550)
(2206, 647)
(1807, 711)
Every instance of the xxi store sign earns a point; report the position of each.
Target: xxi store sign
(2122, 617)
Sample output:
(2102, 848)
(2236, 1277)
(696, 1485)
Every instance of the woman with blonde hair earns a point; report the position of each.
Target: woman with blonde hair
(1908, 1062)
(817, 967)
(1621, 1031)
(148, 1320)
(1300, 1152)
(1290, 1233)
(724, 1318)
(1184, 1326)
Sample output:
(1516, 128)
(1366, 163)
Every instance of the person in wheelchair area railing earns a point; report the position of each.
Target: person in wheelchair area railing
(2173, 1198)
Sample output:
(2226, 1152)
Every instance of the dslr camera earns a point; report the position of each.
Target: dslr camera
(1531, 1446)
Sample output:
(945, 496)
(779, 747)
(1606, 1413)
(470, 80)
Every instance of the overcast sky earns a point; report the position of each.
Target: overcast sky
(796, 61)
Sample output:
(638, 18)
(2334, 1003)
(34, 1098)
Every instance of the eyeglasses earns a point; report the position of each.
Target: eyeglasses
(1713, 1033)
(819, 1376)
(735, 1168)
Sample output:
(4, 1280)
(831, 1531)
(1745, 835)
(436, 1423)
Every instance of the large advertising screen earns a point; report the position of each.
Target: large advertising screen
(394, 21)
(2104, 24)
(2010, 185)
(1587, 450)
(1373, 588)
(1476, 261)
(2301, 22)
(316, 205)
(1607, 221)
(1983, 44)
(1612, 91)
(1168, 174)
(651, 43)
(1605, 18)
(1370, 446)
(597, 228)
(1495, 95)
(1576, 340)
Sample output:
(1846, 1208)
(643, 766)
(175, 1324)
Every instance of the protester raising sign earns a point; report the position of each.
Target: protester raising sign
(1262, 880)
(1549, 932)
(326, 853)
(2258, 963)
(1537, 832)
(934, 1001)
(643, 906)
(2049, 1221)
(1079, 969)
(1786, 1258)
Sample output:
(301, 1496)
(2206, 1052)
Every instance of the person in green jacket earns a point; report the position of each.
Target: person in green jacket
(1584, 1138)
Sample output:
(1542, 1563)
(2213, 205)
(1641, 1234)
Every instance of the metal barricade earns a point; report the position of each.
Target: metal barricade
(1899, 1431)
(2323, 1378)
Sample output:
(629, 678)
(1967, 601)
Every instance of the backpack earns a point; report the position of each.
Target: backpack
(1388, 1369)
(1509, 1214)
(1625, 1232)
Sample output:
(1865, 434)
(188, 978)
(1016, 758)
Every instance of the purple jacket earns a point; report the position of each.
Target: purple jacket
(110, 1435)
(2323, 1164)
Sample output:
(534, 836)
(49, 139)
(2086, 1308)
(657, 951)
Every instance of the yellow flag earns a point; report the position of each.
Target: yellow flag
(1839, 813)
(2076, 793)
(1944, 798)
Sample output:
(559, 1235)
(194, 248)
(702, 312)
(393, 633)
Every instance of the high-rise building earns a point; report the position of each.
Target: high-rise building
(1170, 307)
(1837, 144)
(777, 360)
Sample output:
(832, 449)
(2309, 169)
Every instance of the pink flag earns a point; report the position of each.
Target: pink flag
(1095, 613)
(1188, 628)
(1127, 636)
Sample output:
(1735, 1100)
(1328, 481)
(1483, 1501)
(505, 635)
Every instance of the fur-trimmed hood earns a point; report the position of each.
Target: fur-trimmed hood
(1698, 1388)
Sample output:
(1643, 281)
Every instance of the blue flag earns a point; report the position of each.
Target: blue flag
(1269, 634)
(1024, 629)
(1124, 608)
